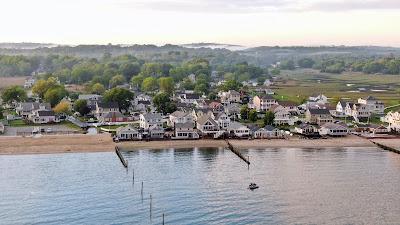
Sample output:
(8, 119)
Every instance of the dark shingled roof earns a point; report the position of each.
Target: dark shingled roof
(45, 113)
(108, 105)
(319, 111)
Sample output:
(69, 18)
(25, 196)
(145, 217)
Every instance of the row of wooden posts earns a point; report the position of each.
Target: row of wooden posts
(125, 164)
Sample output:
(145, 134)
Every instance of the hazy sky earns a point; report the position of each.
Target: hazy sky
(250, 23)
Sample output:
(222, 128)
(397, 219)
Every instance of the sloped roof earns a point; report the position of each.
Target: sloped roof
(187, 125)
(236, 125)
(179, 114)
(203, 119)
(46, 113)
(108, 105)
(127, 128)
(113, 115)
(152, 116)
(335, 126)
(319, 111)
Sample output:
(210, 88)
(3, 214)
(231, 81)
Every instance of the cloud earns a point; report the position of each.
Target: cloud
(258, 6)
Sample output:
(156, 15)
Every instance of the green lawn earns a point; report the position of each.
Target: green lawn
(17, 123)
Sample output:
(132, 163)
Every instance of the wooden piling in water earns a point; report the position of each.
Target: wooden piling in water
(151, 202)
(238, 153)
(123, 161)
(163, 218)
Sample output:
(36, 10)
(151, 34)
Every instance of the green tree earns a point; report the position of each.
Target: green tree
(81, 107)
(62, 107)
(120, 95)
(14, 94)
(287, 65)
(98, 88)
(269, 118)
(137, 81)
(187, 84)
(1, 113)
(117, 80)
(244, 113)
(166, 84)
(306, 63)
(253, 115)
(42, 86)
(55, 95)
(163, 103)
(149, 84)
(231, 85)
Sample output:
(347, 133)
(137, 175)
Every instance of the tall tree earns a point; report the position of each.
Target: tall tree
(269, 118)
(81, 107)
(120, 95)
(149, 84)
(163, 103)
(14, 94)
(166, 84)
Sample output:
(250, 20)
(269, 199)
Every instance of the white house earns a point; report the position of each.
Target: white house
(238, 130)
(223, 120)
(393, 119)
(156, 132)
(233, 111)
(373, 105)
(128, 133)
(207, 125)
(180, 117)
(150, 120)
(43, 117)
(340, 109)
(25, 109)
(321, 99)
(333, 129)
(185, 131)
(268, 132)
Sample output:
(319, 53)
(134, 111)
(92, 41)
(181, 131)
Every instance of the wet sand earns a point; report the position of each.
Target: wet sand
(104, 143)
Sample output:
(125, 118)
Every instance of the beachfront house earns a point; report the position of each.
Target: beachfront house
(263, 103)
(318, 116)
(156, 132)
(207, 125)
(180, 117)
(268, 132)
(185, 131)
(197, 113)
(306, 129)
(282, 117)
(236, 129)
(150, 120)
(393, 119)
(333, 129)
(128, 133)
(373, 105)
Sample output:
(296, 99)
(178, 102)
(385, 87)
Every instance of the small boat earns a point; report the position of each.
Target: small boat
(253, 186)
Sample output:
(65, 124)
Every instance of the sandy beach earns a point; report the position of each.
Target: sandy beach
(104, 143)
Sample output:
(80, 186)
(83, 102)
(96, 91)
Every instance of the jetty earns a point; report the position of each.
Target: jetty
(123, 161)
(237, 152)
(386, 147)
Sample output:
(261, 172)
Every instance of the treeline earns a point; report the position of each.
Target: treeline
(387, 65)
(18, 65)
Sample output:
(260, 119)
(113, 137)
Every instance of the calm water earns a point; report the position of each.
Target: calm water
(203, 186)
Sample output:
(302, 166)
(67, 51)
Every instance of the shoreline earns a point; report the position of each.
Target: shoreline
(81, 143)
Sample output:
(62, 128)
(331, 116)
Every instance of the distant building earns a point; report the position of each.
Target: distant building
(103, 108)
(25, 109)
(180, 117)
(306, 129)
(268, 132)
(238, 130)
(185, 131)
(128, 133)
(43, 117)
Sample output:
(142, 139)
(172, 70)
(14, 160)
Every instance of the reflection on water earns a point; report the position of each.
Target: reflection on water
(203, 186)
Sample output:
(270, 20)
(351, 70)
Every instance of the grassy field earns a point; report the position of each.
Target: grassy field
(10, 81)
(299, 84)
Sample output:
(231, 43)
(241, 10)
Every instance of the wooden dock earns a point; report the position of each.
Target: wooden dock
(123, 161)
(237, 152)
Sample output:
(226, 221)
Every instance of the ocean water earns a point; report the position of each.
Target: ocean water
(202, 186)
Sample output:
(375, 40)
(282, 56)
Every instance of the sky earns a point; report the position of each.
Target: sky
(242, 22)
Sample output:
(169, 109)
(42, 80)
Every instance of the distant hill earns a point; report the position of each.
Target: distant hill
(214, 46)
(26, 45)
